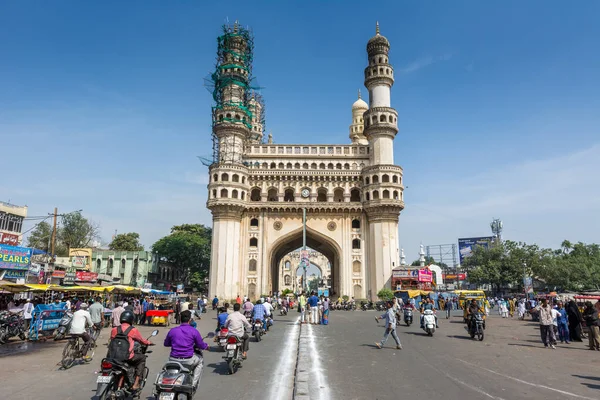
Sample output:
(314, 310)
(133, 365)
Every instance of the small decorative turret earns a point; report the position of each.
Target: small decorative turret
(358, 126)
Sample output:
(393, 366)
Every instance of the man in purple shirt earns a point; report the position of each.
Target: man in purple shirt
(182, 341)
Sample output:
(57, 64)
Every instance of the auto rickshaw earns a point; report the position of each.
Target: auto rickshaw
(465, 297)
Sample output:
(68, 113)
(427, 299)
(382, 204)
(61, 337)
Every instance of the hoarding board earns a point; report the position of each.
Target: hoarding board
(9, 239)
(467, 245)
(425, 275)
(13, 257)
(85, 276)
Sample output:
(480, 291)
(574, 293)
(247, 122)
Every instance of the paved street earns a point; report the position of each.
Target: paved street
(340, 361)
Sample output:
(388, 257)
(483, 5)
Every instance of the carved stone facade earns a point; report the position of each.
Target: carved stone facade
(353, 196)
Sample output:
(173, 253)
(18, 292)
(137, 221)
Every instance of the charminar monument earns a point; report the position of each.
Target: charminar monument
(352, 193)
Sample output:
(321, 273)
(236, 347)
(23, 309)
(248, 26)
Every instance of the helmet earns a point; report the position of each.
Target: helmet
(126, 317)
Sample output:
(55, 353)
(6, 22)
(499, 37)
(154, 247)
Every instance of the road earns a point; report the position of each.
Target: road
(340, 361)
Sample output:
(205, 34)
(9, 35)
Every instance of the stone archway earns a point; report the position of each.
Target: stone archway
(316, 241)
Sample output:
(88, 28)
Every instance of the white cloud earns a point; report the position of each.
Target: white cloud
(422, 63)
(541, 201)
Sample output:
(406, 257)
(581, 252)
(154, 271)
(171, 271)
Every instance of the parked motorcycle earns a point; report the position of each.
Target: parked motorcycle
(429, 322)
(63, 326)
(366, 305)
(11, 325)
(476, 326)
(234, 354)
(380, 306)
(408, 316)
(116, 378)
(176, 381)
(258, 329)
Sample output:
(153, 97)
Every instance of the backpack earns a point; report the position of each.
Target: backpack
(118, 348)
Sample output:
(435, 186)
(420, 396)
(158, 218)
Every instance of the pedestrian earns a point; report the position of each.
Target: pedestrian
(144, 310)
(137, 311)
(390, 327)
(325, 311)
(302, 308)
(546, 328)
(238, 300)
(116, 314)
(177, 310)
(313, 302)
(504, 309)
(575, 319)
(200, 304)
(563, 324)
(27, 313)
(151, 307)
(555, 315)
(521, 309)
(590, 315)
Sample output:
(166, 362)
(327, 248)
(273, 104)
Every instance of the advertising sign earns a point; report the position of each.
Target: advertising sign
(57, 273)
(405, 273)
(453, 277)
(9, 239)
(13, 275)
(147, 286)
(179, 288)
(528, 284)
(425, 275)
(467, 245)
(84, 276)
(78, 262)
(12, 257)
(70, 276)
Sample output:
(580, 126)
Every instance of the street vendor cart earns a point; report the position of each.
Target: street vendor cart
(159, 317)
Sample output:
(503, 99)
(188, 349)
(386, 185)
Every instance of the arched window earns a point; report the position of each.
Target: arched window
(281, 165)
(243, 195)
(356, 267)
(322, 194)
(98, 264)
(390, 119)
(253, 242)
(382, 118)
(368, 196)
(273, 165)
(288, 165)
(367, 180)
(214, 193)
(338, 195)
(375, 194)
(252, 265)
(287, 280)
(225, 177)
(223, 193)
(357, 291)
(272, 195)
(338, 166)
(375, 179)
(255, 194)
(330, 166)
(235, 178)
(346, 166)
(322, 166)
(396, 195)
(355, 194)
(243, 179)
(265, 165)
(254, 222)
(385, 178)
(288, 195)
(305, 166)
(297, 165)
(313, 166)
(234, 194)
(356, 224)
(111, 263)
(288, 265)
(356, 244)
(215, 177)
(395, 179)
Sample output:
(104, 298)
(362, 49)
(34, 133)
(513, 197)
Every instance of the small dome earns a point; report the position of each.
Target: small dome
(360, 104)
(377, 40)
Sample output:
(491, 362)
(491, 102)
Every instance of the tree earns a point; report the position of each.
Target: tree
(572, 267)
(126, 242)
(40, 237)
(187, 248)
(76, 231)
(428, 261)
(385, 294)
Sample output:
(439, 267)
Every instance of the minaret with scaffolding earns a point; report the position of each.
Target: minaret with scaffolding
(237, 120)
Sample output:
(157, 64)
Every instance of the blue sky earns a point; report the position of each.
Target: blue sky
(102, 107)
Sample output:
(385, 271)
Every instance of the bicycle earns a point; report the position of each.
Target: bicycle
(74, 350)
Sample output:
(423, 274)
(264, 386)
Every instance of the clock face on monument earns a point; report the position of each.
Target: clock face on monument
(305, 193)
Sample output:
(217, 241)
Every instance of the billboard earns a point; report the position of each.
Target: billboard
(405, 273)
(85, 276)
(9, 239)
(12, 257)
(425, 275)
(454, 277)
(466, 246)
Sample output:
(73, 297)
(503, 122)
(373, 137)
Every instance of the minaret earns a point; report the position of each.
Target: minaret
(256, 131)
(382, 189)
(358, 126)
(233, 122)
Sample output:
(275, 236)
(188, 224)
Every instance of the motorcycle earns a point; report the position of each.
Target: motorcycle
(258, 330)
(366, 305)
(476, 326)
(116, 378)
(222, 337)
(11, 325)
(63, 326)
(176, 381)
(429, 322)
(408, 316)
(380, 306)
(234, 354)
(282, 310)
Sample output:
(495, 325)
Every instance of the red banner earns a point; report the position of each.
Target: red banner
(84, 276)
(58, 273)
(9, 238)
(425, 275)
(453, 277)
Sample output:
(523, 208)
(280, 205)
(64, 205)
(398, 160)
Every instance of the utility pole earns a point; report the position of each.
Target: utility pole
(54, 232)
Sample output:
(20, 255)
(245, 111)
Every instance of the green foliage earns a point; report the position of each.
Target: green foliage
(76, 231)
(385, 294)
(285, 292)
(188, 248)
(126, 242)
(345, 297)
(40, 237)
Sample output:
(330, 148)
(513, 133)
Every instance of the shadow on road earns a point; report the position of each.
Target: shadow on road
(370, 345)
(220, 368)
(460, 337)
(525, 345)
(590, 385)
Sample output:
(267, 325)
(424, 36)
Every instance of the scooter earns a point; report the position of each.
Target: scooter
(429, 322)
(176, 380)
(63, 326)
(116, 378)
(282, 310)
(408, 316)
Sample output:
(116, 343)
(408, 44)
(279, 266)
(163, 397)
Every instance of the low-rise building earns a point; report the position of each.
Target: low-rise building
(11, 223)
(122, 267)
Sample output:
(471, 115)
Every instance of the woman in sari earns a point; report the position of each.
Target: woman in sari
(575, 319)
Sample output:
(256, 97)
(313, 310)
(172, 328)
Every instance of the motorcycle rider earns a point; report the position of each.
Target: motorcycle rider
(236, 323)
(182, 340)
(259, 312)
(471, 311)
(81, 320)
(136, 360)
(269, 312)
(428, 305)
